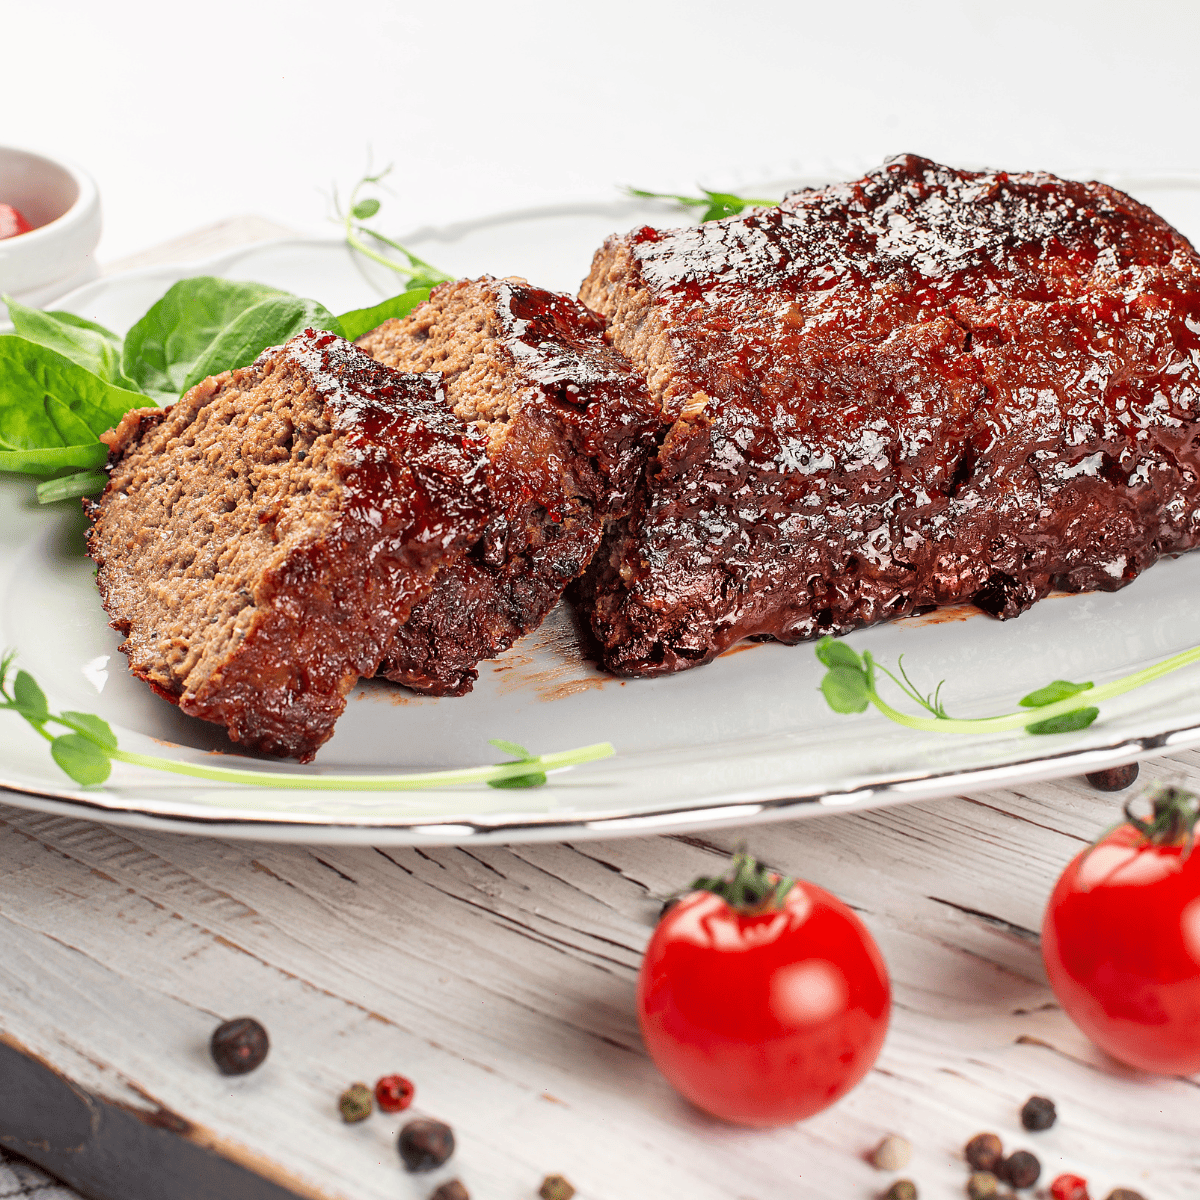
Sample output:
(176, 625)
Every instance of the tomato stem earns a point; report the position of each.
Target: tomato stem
(747, 886)
(1173, 818)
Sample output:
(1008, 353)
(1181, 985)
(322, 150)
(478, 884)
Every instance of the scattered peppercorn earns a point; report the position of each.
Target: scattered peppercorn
(355, 1103)
(394, 1093)
(1021, 1169)
(894, 1153)
(982, 1185)
(902, 1189)
(451, 1191)
(984, 1151)
(1124, 1194)
(1069, 1187)
(425, 1144)
(238, 1046)
(1115, 779)
(1038, 1113)
(555, 1187)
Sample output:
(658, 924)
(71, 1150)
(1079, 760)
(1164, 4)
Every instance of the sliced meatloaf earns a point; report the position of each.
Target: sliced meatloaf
(568, 426)
(922, 387)
(259, 542)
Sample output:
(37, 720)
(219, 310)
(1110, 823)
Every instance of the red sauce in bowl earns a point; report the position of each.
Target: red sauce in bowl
(12, 222)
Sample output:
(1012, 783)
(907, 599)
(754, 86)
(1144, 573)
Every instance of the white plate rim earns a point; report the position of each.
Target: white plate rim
(730, 808)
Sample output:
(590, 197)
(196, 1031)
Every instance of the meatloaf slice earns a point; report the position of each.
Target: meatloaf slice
(259, 542)
(568, 426)
(922, 387)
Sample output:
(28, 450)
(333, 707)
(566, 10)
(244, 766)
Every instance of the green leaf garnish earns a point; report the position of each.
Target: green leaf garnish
(715, 204)
(416, 271)
(1081, 718)
(849, 686)
(71, 487)
(81, 758)
(177, 331)
(29, 698)
(85, 343)
(362, 320)
(846, 689)
(88, 751)
(270, 322)
(48, 402)
(533, 779)
(1060, 689)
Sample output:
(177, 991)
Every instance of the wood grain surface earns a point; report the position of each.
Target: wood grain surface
(501, 981)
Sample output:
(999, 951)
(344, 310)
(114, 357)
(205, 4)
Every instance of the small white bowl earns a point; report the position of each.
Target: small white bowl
(61, 203)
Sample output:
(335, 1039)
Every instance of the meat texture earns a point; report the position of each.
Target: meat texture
(568, 426)
(259, 542)
(924, 387)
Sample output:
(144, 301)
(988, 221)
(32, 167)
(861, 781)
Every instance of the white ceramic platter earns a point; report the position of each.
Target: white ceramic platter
(746, 738)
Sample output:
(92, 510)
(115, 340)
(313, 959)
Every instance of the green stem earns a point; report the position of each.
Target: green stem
(370, 783)
(1019, 720)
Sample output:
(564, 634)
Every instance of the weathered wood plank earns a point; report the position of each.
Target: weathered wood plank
(501, 979)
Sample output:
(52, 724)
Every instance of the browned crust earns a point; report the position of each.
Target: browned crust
(402, 491)
(569, 426)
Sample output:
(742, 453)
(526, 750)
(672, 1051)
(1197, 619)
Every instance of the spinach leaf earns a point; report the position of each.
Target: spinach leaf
(164, 346)
(268, 323)
(69, 487)
(52, 459)
(48, 402)
(362, 320)
(93, 347)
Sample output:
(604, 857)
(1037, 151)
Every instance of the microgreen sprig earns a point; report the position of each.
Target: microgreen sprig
(849, 686)
(87, 751)
(715, 204)
(417, 272)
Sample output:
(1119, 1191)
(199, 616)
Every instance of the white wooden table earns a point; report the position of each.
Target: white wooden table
(501, 980)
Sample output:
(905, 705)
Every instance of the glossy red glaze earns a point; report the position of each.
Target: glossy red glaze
(922, 387)
(12, 222)
(1121, 943)
(763, 1019)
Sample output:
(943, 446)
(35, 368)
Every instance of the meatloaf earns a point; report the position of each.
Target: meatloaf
(568, 425)
(923, 387)
(259, 542)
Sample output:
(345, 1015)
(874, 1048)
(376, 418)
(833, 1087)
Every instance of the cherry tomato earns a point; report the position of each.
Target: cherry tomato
(1121, 941)
(11, 222)
(763, 1015)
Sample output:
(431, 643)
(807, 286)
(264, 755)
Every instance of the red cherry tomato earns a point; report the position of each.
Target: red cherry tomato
(1121, 943)
(11, 222)
(763, 1017)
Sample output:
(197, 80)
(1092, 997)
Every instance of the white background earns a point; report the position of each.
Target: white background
(190, 113)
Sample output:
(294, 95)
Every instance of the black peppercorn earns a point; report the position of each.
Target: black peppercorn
(238, 1046)
(1124, 1194)
(1037, 1113)
(902, 1189)
(984, 1152)
(451, 1191)
(355, 1103)
(555, 1187)
(1021, 1169)
(425, 1144)
(1115, 779)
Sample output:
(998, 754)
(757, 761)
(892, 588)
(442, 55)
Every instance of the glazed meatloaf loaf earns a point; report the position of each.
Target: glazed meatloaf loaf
(569, 426)
(922, 387)
(259, 542)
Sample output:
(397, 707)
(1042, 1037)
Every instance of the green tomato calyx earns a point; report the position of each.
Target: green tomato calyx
(748, 886)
